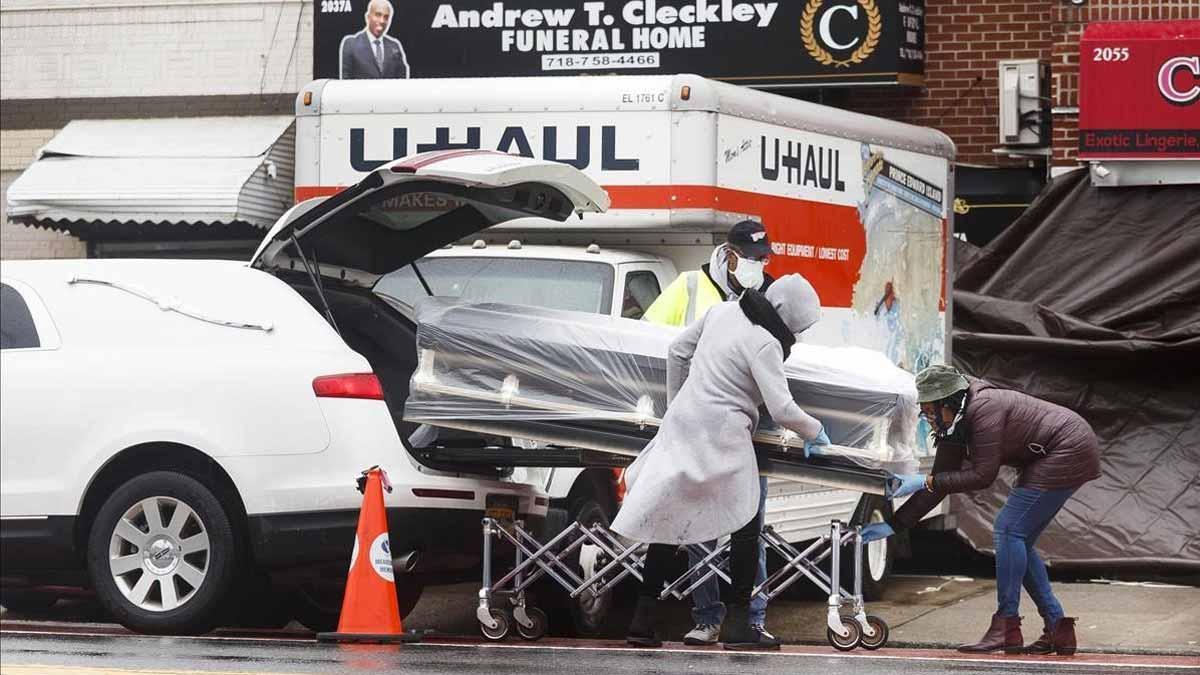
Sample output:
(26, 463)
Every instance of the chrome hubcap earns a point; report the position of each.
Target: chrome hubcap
(159, 554)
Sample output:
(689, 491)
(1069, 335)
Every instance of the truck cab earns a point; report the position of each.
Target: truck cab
(588, 278)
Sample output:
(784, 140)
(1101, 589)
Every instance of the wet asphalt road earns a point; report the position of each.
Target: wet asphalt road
(24, 653)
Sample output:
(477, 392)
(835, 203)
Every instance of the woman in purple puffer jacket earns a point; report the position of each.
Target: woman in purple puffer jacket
(1055, 452)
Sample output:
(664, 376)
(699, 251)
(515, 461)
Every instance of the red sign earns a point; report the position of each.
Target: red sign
(1139, 90)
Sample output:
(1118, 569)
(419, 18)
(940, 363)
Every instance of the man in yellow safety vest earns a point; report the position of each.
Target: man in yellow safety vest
(733, 267)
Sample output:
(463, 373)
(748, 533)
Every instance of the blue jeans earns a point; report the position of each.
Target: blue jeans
(707, 607)
(1026, 512)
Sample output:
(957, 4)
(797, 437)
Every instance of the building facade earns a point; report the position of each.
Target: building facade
(964, 41)
(155, 59)
(62, 60)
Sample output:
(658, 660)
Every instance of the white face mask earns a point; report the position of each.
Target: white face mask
(749, 273)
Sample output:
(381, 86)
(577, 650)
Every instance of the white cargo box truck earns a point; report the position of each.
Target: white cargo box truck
(857, 204)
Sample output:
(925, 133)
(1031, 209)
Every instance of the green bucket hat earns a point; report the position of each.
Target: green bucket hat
(938, 382)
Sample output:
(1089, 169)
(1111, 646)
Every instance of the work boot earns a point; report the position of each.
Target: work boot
(643, 632)
(1057, 636)
(1004, 634)
(1064, 636)
(737, 634)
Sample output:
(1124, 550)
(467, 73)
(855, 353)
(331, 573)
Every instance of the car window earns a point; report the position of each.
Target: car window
(641, 288)
(554, 284)
(17, 330)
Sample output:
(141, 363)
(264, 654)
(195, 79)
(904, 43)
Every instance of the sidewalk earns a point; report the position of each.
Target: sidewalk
(947, 611)
(927, 612)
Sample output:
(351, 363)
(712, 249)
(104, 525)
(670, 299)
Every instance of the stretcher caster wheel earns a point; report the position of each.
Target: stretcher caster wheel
(847, 642)
(500, 631)
(538, 630)
(880, 627)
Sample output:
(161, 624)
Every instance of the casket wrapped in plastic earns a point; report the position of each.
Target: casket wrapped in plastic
(598, 382)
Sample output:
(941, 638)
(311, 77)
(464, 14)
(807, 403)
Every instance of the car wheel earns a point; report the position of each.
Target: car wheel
(27, 602)
(162, 554)
(585, 614)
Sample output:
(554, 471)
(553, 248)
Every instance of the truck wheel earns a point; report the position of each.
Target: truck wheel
(586, 614)
(588, 611)
(162, 554)
(877, 555)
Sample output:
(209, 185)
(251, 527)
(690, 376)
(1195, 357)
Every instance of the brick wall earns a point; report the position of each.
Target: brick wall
(56, 48)
(19, 242)
(964, 40)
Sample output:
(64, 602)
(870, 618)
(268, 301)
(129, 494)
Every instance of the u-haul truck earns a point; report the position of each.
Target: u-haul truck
(857, 204)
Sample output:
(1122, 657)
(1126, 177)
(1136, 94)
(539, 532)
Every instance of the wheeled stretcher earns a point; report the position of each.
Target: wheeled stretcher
(581, 389)
(619, 560)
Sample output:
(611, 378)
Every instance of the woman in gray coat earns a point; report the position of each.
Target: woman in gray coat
(697, 479)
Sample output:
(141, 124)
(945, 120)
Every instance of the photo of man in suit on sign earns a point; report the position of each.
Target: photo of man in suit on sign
(371, 53)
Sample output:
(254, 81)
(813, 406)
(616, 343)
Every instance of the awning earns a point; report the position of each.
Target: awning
(198, 171)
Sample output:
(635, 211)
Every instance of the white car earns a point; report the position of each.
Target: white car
(173, 427)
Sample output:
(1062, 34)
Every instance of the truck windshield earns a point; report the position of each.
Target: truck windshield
(554, 284)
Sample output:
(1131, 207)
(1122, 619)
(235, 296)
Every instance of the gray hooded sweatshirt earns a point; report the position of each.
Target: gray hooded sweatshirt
(697, 480)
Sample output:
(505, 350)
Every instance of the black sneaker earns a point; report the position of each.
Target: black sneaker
(642, 631)
(739, 635)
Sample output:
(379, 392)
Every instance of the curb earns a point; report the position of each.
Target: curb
(1127, 651)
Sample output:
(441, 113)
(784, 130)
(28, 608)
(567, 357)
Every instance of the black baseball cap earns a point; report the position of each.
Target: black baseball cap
(750, 238)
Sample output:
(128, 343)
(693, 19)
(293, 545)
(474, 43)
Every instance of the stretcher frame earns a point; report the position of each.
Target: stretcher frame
(534, 560)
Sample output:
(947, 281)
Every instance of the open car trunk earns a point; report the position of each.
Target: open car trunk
(336, 251)
(333, 251)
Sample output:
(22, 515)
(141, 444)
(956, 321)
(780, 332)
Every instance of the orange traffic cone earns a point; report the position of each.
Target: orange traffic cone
(370, 612)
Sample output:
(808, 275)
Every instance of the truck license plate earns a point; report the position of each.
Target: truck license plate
(501, 507)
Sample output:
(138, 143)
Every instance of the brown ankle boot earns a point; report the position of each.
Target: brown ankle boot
(1064, 636)
(1045, 643)
(1004, 634)
(1057, 636)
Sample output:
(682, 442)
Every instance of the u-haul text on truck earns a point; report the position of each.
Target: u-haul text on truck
(857, 204)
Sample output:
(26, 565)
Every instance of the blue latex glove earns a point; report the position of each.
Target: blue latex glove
(810, 447)
(876, 531)
(909, 483)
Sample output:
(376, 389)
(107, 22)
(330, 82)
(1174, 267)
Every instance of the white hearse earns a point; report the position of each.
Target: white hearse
(172, 430)
(857, 204)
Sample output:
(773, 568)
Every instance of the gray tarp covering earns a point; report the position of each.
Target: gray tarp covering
(1092, 300)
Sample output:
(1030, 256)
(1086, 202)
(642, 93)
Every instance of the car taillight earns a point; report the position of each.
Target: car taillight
(353, 385)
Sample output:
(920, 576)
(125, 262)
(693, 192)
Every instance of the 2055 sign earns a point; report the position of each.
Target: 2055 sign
(1139, 90)
(1110, 54)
